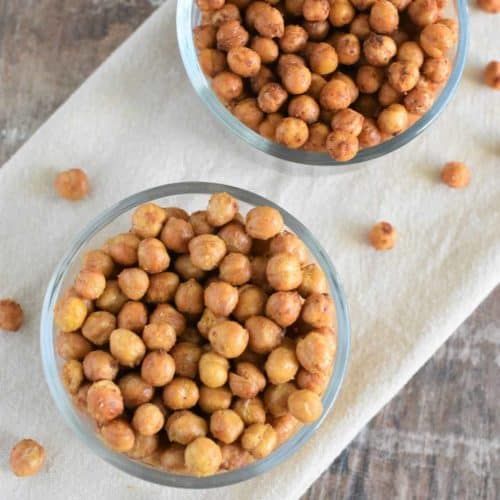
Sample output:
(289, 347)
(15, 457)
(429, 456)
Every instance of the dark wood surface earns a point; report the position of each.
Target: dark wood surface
(439, 438)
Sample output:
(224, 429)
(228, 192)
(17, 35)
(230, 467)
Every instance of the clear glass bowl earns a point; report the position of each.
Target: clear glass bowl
(188, 17)
(191, 196)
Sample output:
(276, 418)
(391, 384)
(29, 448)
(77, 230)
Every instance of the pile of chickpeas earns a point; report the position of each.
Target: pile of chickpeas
(198, 343)
(326, 75)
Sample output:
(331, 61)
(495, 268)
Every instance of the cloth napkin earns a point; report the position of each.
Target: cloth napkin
(137, 123)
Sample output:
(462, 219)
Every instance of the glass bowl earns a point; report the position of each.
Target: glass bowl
(191, 196)
(188, 17)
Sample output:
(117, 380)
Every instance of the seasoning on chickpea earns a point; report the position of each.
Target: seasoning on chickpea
(379, 49)
(72, 184)
(11, 315)
(226, 425)
(455, 174)
(26, 458)
(383, 236)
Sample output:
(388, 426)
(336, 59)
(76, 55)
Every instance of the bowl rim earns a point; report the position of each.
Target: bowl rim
(184, 17)
(82, 429)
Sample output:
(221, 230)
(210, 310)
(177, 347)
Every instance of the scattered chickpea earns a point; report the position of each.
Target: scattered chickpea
(491, 6)
(383, 236)
(455, 174)
(492, 72)
(72, 184)
(11, 315)
(26, 458)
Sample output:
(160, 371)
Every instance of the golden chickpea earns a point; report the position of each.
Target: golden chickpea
(437, 70)
(317, 30)
(118, 435)
(213, 370)
(436, 39)
(370, 134)
(263, 222)
(423, 12)
(294, 7)
(491, 74)
(226, 425)
(104, 401)
(148, 419)
(360, 26)
(72, 375)
(235, 238)
(264, 334)
(281, 365)
(210, 4)
(243, 61)
(349, 121)
(26, 458)
(335, 95)
(316, 10)
(214, 398)
(419, 101)
(234, 457)
(207, 251)
(251, 12)
(172, 459)
(411, 52)
(80, 398)
(271, 97)
(265, 75)
(221, 298)
(318, 133)
(276, 398)
(99, 262)
(259, 439)
(203, 457)
(207, 320)
(305, 405)
(176, 234)
(248, 380)
(192, 335)
(315, 353)
(147, 220)
(403, 76)
(294, 39)
(316, 382)
(313, 280)
(292, 132)
(393, 119)
(112, 299)
(286, 60)
(251, 302)
(222, 208)
(100, 365)
(212, 62)
(178, 213)
(230, 35)
(266, 48)
(249, 113)
(69, 314)
(144, 446)
(180, 394)
(318, 310)
(269, 22)
(11, 315)
(184, 426)
(228, 12)
(283, 272)
(133, 282)
(153, 256)
(285, 426)
(491, 6)
(348, 48)
(72, 184)
(258, 265)
(200, 224)
(379, 49)
(158, 368)
(455, 174)
(369, 78)
(123, 248)
(284, 308)
(228, 338)
(382, 236)
(159, 336)
(235, 269)
(127, 347)
(305, 108)
(189, 297)
(323, 58)
(186, 357)
(135, 391)
(296, 78)
(187, 269)
(341, 13)
(72, 346)
(204, 36)
(133, 316)
(384, 17)
(251, 411)
(388, 95)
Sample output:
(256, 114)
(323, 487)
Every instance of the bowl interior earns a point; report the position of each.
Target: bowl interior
(188, 17)
(190, 196)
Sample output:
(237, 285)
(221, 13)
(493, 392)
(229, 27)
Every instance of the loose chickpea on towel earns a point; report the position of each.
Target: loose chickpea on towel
(455, 174)
(11, 315)
(27, 458)
(72, 184)
(383, 236)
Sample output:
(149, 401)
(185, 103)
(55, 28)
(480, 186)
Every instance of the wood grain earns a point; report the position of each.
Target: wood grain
(439, 438)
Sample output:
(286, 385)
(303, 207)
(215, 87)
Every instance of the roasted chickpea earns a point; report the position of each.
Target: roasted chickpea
(388, 95)
(127, 347)
(491, 74)
(294, 39)
(286, 60)
(112, 299)
(393, 119)
(403, 76)
(248, 380)
(492, 6)
(235, 238)
(147, 220)
(181, 393)
(264, 334)
(11, 315)
(360, 26)
(230, 35)
(99, 262)
(133, 316)
(26, 458)
(158, 368)
(203, 457)
(178, 213)
(341, 13)
(228, 12)
(411, 52)
(317, 84)
(294, 7)
(347, 120)
(186, 356)
(292, 132)
(316, 382)
(104, 401)
(100, 365)
(263, 222)
(281, 365)
(212, 61)
(226, 425)
(176, 234)
(285, 426)
(436, 39)
(437, 70)
(266, 48)
(204, 36)
(269, 22)
(251, 411)
(305, 405)
(423, 12)
(283, 272)
(384, 17)
(221, 298)
(133, 282)
(313, 280)
(419, 101)
(148, 419)
(144, 446)
(72, 184)
(235, 269)
(265, 75)
(296, 78)
(284, 307)
(259, 265)
(214, 398)
(370, 134)
(318, 310)
(72, 346)
(118, 435)
(228, 338)
(379, 49)
(172, 459)
(123, 248)
(382, 236)
(276, 398)
(259, 439)
(249, 113)
(234, 457)
(189, 297)
(316, 10)
(335, 95)
(318, 133)
(207, 320)
(200, 224)
(251, 302)
(213, 370)
(271, 97)
(341, 145)
(348, 48)
(243, 61)
(159, 336)
(315, 353)
(184, 426)
(72, 375)
(153, 256)
(206, 251)
(187, 269)
(369, 78)
(455, 174)
(135, 390)
(80, 398)
(323, 58)
(317, 30)
(305, 108)
(69, 314)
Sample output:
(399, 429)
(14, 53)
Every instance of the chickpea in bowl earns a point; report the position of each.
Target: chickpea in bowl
(194, 395)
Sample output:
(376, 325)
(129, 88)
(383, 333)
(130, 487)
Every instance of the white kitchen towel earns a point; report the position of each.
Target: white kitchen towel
(137, 123)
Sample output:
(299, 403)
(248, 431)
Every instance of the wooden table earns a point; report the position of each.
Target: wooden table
(439, 438)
